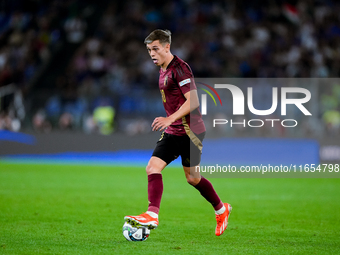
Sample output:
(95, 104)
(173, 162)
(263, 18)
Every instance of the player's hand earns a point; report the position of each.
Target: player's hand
(161, 123)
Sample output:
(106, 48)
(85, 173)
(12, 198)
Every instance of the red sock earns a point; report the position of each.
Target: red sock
(208, 192)
(155, 191)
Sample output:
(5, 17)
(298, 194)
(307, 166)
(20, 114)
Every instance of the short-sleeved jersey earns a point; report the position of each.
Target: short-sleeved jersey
(174, 82)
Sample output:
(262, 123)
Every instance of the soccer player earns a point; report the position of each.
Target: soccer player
(183, 132)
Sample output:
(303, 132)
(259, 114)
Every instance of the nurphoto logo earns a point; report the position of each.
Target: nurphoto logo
(238, 105)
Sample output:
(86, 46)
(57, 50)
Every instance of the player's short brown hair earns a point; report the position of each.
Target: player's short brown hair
(164, 37)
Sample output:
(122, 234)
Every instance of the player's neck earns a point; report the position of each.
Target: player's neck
(167, 62)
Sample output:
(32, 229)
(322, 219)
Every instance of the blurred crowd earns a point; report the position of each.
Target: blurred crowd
(30, 32)
(330, 109)
(112, 69)
(217, 39)
(26, 35)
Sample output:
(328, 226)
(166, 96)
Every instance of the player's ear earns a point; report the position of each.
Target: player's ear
(167, 47)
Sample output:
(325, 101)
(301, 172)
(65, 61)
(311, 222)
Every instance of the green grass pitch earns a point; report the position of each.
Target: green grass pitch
(75, 209)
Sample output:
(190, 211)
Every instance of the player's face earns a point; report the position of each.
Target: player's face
(158, 52)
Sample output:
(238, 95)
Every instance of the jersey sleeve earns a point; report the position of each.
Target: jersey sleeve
(185, 78)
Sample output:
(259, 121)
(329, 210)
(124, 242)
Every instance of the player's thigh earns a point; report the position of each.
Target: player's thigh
(191, 151)
(155, 165)
(166, 148)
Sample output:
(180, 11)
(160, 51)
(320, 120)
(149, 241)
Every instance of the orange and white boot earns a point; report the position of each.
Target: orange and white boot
(222, 220)
(144, 219)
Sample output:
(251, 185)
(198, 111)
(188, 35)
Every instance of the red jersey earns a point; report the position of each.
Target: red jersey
(174, 82)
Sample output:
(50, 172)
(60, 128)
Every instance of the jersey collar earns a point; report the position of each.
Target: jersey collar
(171, 62)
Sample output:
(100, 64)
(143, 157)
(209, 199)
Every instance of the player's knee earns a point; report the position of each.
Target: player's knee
(193, 181)
(150, 169)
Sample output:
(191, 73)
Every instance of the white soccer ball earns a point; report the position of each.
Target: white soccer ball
(135, 233)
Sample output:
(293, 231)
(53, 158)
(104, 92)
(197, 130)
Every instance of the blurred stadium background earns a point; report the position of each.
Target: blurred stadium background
(70, 68)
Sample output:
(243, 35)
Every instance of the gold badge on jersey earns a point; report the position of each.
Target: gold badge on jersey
(163, 96)
(166, 81)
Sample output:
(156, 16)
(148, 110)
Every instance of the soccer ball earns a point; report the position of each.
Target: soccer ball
(139, 233)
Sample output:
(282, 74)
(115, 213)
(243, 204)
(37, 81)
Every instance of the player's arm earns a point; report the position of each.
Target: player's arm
(191, 103)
